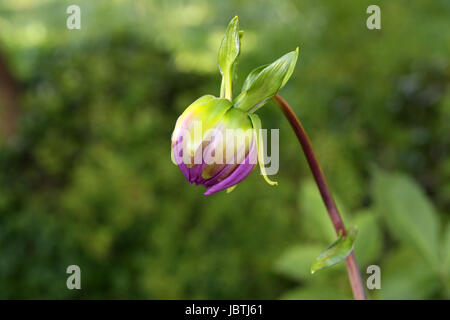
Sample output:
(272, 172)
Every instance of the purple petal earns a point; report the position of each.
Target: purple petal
(197, 171)
(239, 174)
(178, 155)
(217, 178)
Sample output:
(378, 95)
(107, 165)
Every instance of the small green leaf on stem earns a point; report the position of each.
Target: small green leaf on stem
(336, 252)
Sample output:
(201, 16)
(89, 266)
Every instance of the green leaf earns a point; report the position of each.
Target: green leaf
(228, 54)
(408, 213)
(370, 238)
(295, 262)
(404, 275)
(264, 85)
(336, 252)
(445, 252)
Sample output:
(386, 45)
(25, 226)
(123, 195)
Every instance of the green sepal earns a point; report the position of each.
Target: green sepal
(336, 252)
(264, 82)
(252, 76)
(256, 122)
(228, 55)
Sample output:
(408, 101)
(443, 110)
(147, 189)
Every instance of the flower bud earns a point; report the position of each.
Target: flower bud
(217, 141)
(214, 144)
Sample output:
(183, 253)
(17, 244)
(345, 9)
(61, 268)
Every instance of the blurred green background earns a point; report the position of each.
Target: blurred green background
(85, 171)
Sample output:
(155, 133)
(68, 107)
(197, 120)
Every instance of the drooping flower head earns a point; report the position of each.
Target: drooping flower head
(217, 141)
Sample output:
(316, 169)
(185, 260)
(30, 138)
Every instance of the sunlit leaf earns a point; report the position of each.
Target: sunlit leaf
(266, 83)
(404, 275)
(408, 213)
(295, 263)
(370, 238)
(446, 250)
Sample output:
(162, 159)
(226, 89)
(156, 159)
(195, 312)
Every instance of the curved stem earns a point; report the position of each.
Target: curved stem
(352, 266)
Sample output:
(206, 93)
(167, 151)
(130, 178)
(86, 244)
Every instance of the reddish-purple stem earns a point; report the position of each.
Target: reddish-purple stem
(352, 266)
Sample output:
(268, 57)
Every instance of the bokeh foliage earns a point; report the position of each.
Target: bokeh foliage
(87, 179)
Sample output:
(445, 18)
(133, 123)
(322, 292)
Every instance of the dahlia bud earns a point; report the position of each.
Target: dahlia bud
(214, 144)
(217, 141)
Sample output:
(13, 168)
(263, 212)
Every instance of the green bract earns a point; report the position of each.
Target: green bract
(228, 55)
(262, 83)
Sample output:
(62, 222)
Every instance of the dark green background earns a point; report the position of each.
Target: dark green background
(86, 176)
